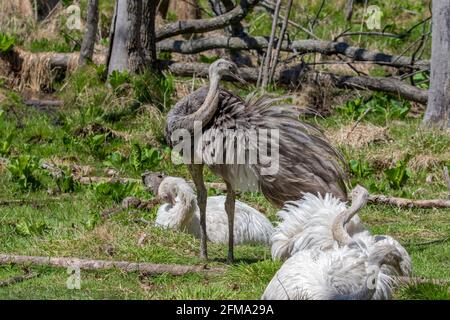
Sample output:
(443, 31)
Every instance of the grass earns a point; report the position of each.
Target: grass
(71, 226)
(100, 126)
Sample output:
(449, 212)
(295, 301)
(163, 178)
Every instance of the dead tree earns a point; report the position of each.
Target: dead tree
(126, 51)
(438, 108)
(148, 31)
(87, 46)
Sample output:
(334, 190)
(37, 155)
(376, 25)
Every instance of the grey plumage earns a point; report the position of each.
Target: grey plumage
(307, 162)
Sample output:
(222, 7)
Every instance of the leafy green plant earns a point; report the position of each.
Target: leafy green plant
(115, 159)
(208, 59)
(422, 80)
(23, 171)
(352, 108)
(5, 145)
(6, 42)
(115, 191)
(147, 158)
(92, 220)
(96, 144)
(29, 229)
(153, 88)
(388, 106)
(398, 175)
(65, 181)
(117, 80)
(379, 104)
(102, 71)
(360, 169)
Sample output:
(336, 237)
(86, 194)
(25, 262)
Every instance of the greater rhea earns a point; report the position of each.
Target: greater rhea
(329, 253)
(306, 161)
(180, 212)
(356, 271)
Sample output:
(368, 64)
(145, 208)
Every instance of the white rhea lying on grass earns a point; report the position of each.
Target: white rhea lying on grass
(330, 254)
(357, 271)
(182, 213)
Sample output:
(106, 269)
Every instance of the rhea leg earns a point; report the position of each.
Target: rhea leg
(196, 171)
(229, 209)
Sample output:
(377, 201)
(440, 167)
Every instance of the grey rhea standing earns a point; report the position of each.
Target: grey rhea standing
(306, 162)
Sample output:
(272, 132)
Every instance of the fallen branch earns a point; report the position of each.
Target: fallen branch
(205, 25)
(420, 280)
(298, 46)
(87, 264)
(295, 76)
(409, 203)
(365, 33)
(21, 202)
(17, 279)
(91, 180)
(43, 103)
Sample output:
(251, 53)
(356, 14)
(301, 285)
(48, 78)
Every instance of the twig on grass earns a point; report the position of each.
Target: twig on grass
(17, 279)
(88, 264)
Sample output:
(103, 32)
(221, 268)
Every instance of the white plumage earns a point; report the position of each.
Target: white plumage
(329, 254)
(307, 223)
(181, 213)
(360, 270)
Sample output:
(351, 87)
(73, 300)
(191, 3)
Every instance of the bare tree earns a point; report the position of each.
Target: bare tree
(87, 46)
(132, 38)
(148, 31)
(438, 108)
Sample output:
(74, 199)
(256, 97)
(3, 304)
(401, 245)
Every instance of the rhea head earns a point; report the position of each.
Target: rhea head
(224, 67)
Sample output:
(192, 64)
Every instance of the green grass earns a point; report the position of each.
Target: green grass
(99, 125)
(70, 226)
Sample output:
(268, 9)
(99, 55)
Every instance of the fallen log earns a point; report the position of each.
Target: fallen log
(205, 25)
(409, 203)
(298, 46)
(419, 280)
(294, 76)
(87, 264)
(291, 77)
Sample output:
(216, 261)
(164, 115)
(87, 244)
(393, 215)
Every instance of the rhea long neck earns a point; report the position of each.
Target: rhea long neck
(208, 108)
(184, 207)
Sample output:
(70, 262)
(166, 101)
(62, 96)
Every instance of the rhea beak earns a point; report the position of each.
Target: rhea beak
(238, 77)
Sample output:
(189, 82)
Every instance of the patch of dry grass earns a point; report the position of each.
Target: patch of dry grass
(357, 137)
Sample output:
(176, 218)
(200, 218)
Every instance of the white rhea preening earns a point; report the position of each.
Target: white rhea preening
(182, 213)
(331, 256)
(357, 271)
(308, 223)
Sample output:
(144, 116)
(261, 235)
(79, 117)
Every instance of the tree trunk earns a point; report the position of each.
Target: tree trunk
(438, 108)
(126, 52)
(136, 59)
(163, 8)
(87, 47)
(148, 31)
(118, 56)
